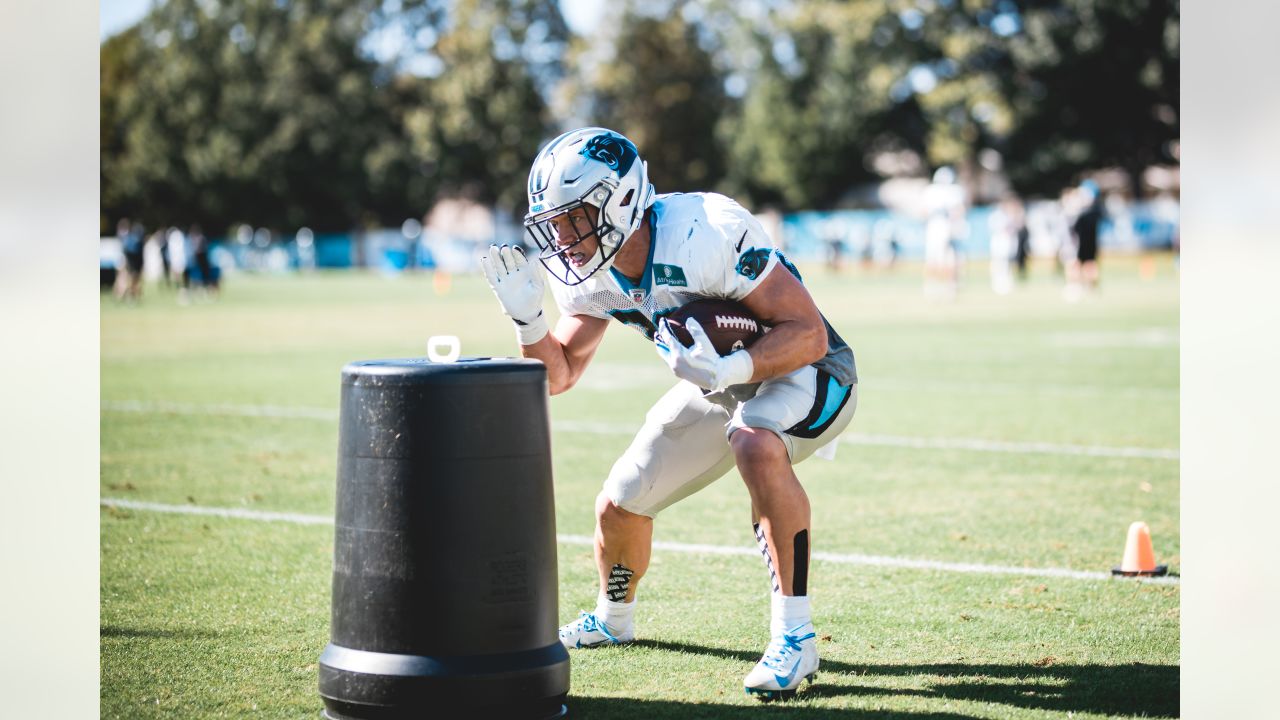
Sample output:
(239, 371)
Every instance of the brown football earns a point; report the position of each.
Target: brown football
(728, 323)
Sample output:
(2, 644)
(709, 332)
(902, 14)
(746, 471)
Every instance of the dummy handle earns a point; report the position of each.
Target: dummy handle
(452, 345)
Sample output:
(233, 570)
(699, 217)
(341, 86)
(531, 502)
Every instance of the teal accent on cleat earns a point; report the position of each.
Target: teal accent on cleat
(790, 659)
(770, 695)
(590, 631)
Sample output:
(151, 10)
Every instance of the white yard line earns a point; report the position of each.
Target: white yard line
(597, 428)
(687, 548)
(222, 512)
(1007, 447)
(1023, 390)
(616, 376)
(271, 411)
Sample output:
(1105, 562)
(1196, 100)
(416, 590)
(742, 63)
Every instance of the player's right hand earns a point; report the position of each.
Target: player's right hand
(517, 282)
(699, 363)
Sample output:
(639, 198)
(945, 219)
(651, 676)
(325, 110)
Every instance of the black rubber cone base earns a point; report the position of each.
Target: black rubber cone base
(1159, 571)
(452, 710)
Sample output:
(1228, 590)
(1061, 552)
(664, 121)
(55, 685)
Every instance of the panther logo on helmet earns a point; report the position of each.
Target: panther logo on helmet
(612, 150)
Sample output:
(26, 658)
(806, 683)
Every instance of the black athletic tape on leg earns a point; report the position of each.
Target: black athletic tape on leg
(800, 570)
(768, 561)
(619, 583)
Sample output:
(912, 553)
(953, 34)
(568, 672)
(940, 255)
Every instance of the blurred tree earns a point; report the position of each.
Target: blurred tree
(657, 85)
(953, 64)
(477, 124)
(816, 104)
(284, 114)
(1058, 87)
(117, 68)
(1094, 83)
(253, 111)
(336, 113)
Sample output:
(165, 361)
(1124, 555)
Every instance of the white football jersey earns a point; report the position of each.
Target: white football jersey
(704, 245)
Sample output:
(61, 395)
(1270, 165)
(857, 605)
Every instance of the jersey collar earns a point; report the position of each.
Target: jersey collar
(639, 292)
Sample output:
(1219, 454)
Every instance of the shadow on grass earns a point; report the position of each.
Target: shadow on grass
(1135, 689)
(629, 709)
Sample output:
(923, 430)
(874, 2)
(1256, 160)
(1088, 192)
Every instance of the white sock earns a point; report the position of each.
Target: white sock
(788, 611)
(618, 616)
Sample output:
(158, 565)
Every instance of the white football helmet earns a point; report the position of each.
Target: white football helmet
(591, 166)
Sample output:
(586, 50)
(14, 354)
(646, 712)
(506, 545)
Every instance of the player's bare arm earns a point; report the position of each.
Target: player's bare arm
(567, 350)
(798, 336)
(518, 285)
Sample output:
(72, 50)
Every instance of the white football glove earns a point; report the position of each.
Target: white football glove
(701, 364)
(518, 285)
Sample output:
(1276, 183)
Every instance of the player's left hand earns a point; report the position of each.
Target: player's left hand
(701, 364)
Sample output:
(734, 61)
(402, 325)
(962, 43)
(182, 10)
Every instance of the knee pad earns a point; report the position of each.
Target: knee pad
(627, 485)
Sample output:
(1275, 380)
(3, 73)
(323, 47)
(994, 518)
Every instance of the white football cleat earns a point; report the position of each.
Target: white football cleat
(790, 659)
(590, 631)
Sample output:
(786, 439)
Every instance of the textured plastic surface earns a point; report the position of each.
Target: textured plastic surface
(444, 569)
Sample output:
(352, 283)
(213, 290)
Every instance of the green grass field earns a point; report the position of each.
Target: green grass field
(233, 404)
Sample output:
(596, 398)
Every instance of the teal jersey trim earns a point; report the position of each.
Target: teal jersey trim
(646, 278)
(835, 396)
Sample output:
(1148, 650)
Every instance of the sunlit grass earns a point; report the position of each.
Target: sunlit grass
(210, 617)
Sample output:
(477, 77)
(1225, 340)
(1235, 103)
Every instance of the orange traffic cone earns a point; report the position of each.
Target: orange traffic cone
(1139, 558)
(1147, 268)
(441, 282)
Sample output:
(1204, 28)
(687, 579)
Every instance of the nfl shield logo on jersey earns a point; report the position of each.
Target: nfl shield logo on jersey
(637, 295)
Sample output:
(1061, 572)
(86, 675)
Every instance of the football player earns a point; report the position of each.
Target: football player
(618, 252)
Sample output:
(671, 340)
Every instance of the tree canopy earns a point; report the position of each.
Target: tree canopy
(338, 114)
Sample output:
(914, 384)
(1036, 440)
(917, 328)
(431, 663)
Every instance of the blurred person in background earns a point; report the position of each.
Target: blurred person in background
(131, 236)
(861, 244)
(833, 241)
(305, 241)
(176, 262)
(1003, 224)
(205, 275)
(1023, 250)
(1082, 270)
(122, 264)
(1058, 219)
(618, 252)
(884, 243)
(161, 241)
(1164, 209)
(174, 255)
(944, 199)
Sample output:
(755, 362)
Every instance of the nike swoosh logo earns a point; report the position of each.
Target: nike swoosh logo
(738, 247)
(785, 680)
